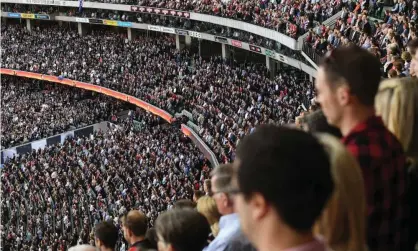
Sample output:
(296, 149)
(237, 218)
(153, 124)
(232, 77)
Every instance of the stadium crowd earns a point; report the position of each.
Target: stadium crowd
(53, 197)
(152, 69)
(386, 38)
(33, 110)
(290, 17)
(284, 189)
(167, 21)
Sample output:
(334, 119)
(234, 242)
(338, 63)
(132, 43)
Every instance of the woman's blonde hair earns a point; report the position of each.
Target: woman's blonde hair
(343, 221)
(396, 102)
(206, 205)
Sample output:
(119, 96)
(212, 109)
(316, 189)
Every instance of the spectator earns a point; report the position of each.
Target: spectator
(134, 230)
(229, 223)
(152, 237)
(207, 187)
(397, 103)
(317, 122)
(106, 236)
(206, 205)
(197, 194)
(280, 195)
(347, 83)
(413, 48)
(184, 203)
(342, 223)
(182, 230)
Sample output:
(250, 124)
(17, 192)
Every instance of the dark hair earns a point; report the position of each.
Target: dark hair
(198, 193)
(290, 169)
(413, 46)
(317, 122)
(151, 236)
(136, 221)
(358, 67)
(184, 229)
(184, 203)
(107, 233)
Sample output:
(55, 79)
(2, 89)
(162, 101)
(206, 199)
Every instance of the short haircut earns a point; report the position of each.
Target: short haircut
(107, 233)
(358, 67)
(198, 194)
(317, 122)
(184, 203)
(151, 236)
(184, 229)
(413, 46)
(223, 174)
(290, 169)
(136, 221)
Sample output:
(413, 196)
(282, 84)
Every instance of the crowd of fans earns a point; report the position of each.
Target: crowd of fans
(153, 70)
(387, 37)
(53, 197)
(167, 21)
(292, 18)
(33, 110)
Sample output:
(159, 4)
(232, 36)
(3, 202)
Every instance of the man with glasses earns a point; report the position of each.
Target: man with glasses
(229, 236)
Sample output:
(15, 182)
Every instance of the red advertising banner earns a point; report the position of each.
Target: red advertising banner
(236, 43)
(158, 11)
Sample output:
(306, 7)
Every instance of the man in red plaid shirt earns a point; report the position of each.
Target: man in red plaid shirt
(347, 82)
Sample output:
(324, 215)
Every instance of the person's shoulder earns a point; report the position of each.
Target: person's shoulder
(239, 242)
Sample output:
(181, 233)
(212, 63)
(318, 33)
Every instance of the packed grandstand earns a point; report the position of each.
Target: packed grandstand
(194, 125)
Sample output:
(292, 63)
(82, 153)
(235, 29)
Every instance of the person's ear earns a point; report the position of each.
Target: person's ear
(259, 206)
(343, 95)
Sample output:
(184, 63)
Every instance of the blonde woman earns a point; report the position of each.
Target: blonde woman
(343, 222)
(397, 103)
(206, 205)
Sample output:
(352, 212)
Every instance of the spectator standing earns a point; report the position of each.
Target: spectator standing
(134, 229)
(229, 224)
(347, 83)
(279, 195)
(397, 103)
(106, 236)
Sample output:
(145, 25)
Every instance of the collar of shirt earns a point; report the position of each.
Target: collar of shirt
(372, 122)
(229, 226)
(315, 245)
(226, 220)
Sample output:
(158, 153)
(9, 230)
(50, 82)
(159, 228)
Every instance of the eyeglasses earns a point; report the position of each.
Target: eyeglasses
(231, 191)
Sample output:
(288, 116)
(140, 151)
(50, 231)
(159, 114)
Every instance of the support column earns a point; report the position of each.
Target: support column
(82, 29)
(271, 66)
(178, 42)
(188, 40)
(4, 20)
(131, 34)
(225, 51)
(310, 78)
(29, 24)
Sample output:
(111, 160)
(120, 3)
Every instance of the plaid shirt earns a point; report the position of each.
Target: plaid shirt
(383, 164)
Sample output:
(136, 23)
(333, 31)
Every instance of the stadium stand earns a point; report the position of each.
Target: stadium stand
(53, 197)
(169, 79)
(281, 188)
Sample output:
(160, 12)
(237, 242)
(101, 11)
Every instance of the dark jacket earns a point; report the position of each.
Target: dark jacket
(144, 245)
(240, 243)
